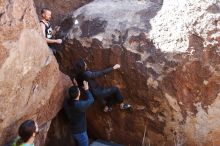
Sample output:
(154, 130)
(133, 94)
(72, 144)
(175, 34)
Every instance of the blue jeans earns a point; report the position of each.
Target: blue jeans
(81, 139)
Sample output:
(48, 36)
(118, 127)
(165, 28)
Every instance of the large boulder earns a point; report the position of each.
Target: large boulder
(169, 56)
(32, 87)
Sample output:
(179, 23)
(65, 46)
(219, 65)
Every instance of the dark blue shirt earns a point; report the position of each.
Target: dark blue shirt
(76, 112)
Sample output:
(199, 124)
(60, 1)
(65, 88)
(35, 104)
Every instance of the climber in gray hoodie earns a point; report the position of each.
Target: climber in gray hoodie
(107, 95)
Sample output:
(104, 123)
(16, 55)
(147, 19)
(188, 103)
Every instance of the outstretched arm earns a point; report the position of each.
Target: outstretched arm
(96, 74)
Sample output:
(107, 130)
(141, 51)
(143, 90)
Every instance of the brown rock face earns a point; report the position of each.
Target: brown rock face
(171, 81)
(32, 86)
(59, 8)
(59, 133)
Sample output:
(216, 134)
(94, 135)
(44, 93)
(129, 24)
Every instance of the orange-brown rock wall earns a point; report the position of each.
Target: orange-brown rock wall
(31, 85)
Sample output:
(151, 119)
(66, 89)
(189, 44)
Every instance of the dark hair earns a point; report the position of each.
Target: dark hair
(44, 10)
(80, 69)
(25, 131)
(81, 65)
(73, 93)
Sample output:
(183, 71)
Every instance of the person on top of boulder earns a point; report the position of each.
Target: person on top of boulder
(48, 31)
(108, 96)
(27, 132)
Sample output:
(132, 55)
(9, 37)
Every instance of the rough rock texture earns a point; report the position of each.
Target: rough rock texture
(192, 17)
(59, 133)
(51, 108)
(169, 52)
(32, 86)
(59, 8)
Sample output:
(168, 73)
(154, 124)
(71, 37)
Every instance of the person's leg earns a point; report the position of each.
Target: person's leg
(110, 96)
(53, 49)
(55, 53)
(106, 93)
(81, 139)
(119, 98)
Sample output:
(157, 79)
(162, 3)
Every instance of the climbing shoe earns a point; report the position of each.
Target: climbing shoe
(125, 106)
(107, 109)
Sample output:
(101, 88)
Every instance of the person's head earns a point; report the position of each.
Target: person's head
(81, 65)
(74, 93)
(46, 14)
(27, 130)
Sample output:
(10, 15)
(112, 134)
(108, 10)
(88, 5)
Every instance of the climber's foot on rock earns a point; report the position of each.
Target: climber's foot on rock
(125, 106)
(107, 109)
